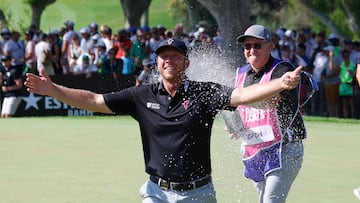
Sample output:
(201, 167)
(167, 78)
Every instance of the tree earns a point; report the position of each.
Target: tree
(37, 7)
(196, 13)
(134, 10)
(340, 16)
(180, 11)
(233, 17)
(190, 13)
(2, 18)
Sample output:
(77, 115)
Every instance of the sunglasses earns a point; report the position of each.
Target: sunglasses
(257, 45)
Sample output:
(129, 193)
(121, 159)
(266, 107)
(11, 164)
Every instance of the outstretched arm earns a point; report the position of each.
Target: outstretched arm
(259, 92)
(75, 97)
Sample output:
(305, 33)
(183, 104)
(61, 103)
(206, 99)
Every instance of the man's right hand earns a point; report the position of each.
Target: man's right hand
(38, 84)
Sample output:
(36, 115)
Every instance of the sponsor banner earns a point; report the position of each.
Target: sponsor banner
(37, 105)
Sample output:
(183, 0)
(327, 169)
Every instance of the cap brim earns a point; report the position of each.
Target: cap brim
(169, 46)
(241, 38)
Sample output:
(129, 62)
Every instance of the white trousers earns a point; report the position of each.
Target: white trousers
(10, 105)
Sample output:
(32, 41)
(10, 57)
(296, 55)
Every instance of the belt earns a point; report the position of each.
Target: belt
(180, 186)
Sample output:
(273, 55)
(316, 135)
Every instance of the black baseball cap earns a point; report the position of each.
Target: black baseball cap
(5, 58)
(179, 45)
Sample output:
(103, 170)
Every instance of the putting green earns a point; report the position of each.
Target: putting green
(99, 159)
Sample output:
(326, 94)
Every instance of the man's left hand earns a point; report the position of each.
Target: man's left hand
(290, 80)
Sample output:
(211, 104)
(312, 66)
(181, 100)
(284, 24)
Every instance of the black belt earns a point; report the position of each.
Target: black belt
(182, 186)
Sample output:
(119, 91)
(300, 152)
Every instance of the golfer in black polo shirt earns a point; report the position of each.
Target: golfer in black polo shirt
(175, 117)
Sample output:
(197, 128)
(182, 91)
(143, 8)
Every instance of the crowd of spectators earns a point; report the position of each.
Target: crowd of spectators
(332, 61)
(98, 49)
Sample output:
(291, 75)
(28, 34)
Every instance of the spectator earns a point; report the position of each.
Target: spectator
(154, 43)
(122, 43)
(310, 43)
(93, 28)
(68, 36)
(357, 91)
(349, 47)
(161, 30)
(43, 54)
(286, 54)
(30, 56)
(218, 39)
(321, 63)
(34, 29)
(74, 52)
(96, 39)
(15, 48)
(178, 31)
(320, 39)
(168, 34)
(145, 30)
(56, 44)
(100, 55)
(106, 36)
(133, 34)
(148, 75)
(276, 52)
(332, 80)
(201, 28)
(85, 67)
(138, 52)
(300, 58)
(11, 85)
(346, 92)
(289, 40)
(128, 64)
(86, 43)
(6, 36)
(111, 65)
(202, 35)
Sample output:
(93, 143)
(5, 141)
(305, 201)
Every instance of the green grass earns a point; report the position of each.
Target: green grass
(99, 159)
(82, 12)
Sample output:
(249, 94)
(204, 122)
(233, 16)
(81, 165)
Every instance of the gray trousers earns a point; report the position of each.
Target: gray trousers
(152, 193)
(277, 184)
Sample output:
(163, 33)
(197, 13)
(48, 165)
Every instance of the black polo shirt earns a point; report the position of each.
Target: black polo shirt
(175, 130)
(9, 77)
(288, 105)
